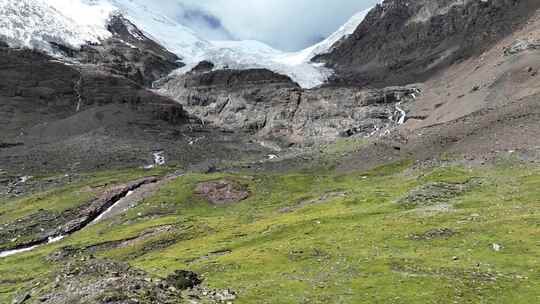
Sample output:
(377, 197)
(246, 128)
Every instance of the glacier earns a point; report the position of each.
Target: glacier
(37, 23)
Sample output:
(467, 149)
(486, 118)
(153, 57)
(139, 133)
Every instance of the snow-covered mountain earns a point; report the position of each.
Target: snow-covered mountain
(325, 46)
(35, 23)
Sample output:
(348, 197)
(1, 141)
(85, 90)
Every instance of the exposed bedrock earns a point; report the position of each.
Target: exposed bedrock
(273, 107)
(34, 88)
(128, 53)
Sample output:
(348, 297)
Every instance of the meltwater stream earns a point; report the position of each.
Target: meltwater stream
(51, 240)
(403, 114)
(55, 239)
(104, 213)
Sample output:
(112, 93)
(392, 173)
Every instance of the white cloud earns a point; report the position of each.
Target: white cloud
(284, 24)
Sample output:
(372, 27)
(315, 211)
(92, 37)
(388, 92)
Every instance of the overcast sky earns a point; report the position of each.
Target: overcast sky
(284, 24)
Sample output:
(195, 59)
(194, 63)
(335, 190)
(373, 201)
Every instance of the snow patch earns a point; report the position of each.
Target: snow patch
(51, 240)
(7, 253)
(403, 114)
(100, 217)
(254, 54)
(56, 239)
(272, 156)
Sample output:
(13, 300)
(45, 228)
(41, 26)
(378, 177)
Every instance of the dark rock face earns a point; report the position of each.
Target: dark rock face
(128, 53)
(36, 89)
(57, 113)
(30, 83)
(234, 79)
(203, 67)
(99, 88)
(56, 117)
(404, 41)
(272, 107)
(183, 279)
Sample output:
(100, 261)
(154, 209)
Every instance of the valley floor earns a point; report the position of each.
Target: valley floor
(399, 233)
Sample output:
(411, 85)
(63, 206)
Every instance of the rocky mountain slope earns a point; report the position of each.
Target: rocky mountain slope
(408, 40)
(480, 106)
(129, 53)
(94, 108)
(475, 52)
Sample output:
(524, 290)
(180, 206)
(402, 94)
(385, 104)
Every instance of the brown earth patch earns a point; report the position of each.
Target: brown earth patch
(222, 192)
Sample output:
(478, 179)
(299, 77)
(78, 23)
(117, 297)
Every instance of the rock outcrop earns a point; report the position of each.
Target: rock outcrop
(35, 88)
(128, 53)
(273, 107)
(44, 104)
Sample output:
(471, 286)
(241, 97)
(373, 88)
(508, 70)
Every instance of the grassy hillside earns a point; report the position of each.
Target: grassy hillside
(395, 234)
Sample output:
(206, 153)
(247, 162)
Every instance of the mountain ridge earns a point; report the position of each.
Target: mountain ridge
(395, 45)
(68, 25)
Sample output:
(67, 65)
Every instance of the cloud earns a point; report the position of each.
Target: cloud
(283, 24)
(207, 25)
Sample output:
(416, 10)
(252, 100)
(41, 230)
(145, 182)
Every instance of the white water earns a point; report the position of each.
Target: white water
(7, 253)
(51, 240)
(159, 158)
(403, 114)
(55, 239)
(100, 217)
